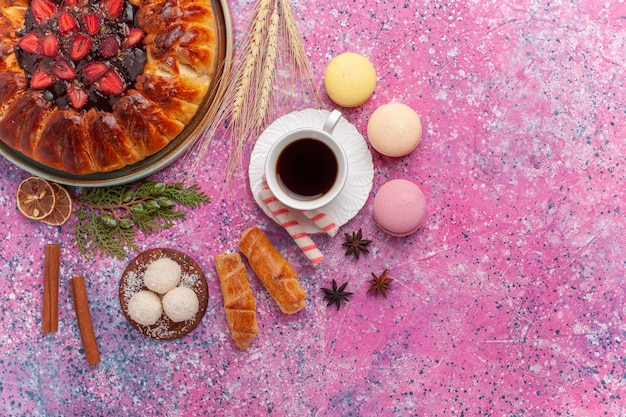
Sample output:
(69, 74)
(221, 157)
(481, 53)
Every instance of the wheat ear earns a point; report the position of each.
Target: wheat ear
(267, 76)
(250, 59)
(294, 40)
(295, 48)
(244, 87)
(249, 90)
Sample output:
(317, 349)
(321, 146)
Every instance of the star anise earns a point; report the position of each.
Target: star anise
(379, 284)
(336, 295)
(356, 244)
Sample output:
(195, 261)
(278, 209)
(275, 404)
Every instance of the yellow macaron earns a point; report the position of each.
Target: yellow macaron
(350, 79)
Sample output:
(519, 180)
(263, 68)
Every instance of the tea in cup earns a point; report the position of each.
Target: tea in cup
(307, 168)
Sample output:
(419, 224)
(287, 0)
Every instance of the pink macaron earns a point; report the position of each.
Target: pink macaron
(399, 207)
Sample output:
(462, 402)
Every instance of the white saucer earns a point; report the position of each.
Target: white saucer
(360, 165)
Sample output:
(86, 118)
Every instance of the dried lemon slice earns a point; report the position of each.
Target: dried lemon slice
(35, 198)
(62, 209)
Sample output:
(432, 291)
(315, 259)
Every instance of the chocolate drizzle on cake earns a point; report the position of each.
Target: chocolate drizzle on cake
(81, 53)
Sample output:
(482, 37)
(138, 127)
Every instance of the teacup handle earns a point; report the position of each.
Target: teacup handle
(331, 121)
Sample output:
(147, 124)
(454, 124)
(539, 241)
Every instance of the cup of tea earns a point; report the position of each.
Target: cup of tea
(307, 168)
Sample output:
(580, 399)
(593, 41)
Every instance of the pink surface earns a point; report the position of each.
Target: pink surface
(508, 302)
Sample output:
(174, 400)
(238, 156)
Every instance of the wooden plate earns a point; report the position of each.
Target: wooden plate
(192, 277)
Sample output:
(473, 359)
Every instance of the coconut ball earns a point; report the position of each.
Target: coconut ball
(145, 308)
(162, 275)
(180, 304)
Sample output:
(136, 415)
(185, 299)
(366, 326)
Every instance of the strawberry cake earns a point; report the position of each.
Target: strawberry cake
(89, 86)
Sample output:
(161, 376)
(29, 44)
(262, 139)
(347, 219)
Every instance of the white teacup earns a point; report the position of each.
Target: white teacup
(307, 168)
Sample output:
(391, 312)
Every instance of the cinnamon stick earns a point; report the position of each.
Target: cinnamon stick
(83, 315)
(52, 263)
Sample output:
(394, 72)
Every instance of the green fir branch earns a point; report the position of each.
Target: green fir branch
(108, 218)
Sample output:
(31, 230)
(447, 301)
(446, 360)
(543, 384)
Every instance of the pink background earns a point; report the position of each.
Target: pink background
(508, 302)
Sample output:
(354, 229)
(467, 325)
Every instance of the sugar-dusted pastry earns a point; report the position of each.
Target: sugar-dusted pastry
(180, 304)
(273, 270)
(162, 275)
(145, 307)
(239, 304)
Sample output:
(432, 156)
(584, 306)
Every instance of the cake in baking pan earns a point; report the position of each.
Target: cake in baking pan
(91, 86)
